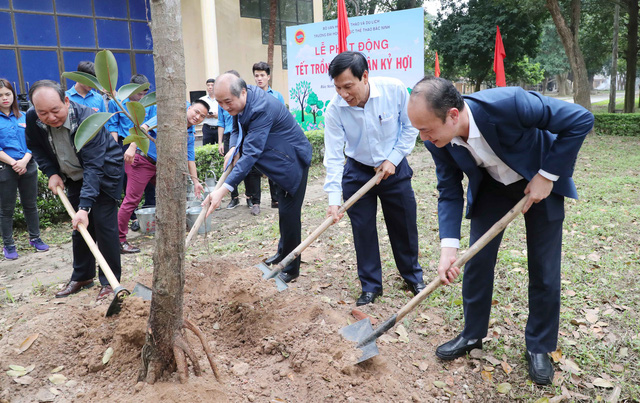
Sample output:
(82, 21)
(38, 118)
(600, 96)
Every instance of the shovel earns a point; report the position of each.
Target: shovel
(362, 332)
(203, 213)
(120, 292)
(269, 274)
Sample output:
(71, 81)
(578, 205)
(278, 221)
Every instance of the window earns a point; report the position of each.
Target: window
(290, 12)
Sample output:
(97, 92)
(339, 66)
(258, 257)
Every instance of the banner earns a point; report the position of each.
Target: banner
(393, 44)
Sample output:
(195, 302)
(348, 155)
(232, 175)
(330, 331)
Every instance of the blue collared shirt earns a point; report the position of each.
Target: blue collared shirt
(12, 139)
(120, 123)
(93, 100)
(276, 94)
(225, 120)
(191, 140)
(371, 135)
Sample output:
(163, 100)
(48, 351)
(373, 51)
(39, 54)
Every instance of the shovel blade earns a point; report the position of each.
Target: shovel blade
(358, 332)
(281, 285)
(116, 305)
(142, 291)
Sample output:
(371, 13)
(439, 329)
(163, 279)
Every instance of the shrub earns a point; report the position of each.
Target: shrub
(50, 208)
(208, 159)
(617, 124)
(316, 138)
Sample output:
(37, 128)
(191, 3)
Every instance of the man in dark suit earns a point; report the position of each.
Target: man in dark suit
(509, 142)
(91, 176)
(266, 135)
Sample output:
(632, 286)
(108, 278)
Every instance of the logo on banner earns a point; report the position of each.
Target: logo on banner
(299, 37)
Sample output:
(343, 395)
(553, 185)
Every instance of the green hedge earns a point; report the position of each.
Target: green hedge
(617, 124)
(50, 208)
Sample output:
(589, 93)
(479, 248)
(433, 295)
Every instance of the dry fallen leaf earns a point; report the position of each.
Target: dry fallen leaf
(617, 368)
(506, 367)
(57, 369)
(504, 388)
(24, 346)
(402, 333)
(543, 399)
(24, 380)
(57, 379)
(15, 374)
(591, 317)
(487, 376)
(107, 355)
(602, 383)
(54, 391)
(439, 384)
(556, 355)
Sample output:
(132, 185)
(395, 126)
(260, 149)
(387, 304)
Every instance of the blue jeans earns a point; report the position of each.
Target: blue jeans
(10, 184)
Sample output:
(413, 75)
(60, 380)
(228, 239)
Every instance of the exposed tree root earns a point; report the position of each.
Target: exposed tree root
(205, 345)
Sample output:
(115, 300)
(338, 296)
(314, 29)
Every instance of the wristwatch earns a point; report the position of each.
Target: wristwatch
(87, 209)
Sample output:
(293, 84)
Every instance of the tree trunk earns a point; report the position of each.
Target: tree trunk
(569, 37)
(614, 60)
(561, 83)
(273, 9)
(632, 57)
(544, 85)
(165, 318)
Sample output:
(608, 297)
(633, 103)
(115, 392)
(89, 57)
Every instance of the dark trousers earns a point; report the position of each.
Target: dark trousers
(209, 134)
(544, 244)
(274, 190)
(103, 228)
(290, 214)
(252, 182)
(10, 184)
(399, 208)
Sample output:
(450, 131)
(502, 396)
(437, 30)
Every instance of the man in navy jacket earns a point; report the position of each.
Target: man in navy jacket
(266, 136)
(91, 176)
(509, 142)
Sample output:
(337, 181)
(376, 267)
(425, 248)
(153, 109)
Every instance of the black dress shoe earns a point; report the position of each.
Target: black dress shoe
(287, 277)
(275, 259)
(457, 348)
(540, 368)
(368, 298)
(416, 287)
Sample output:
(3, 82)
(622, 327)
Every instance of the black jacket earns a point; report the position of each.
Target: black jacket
(101, 158)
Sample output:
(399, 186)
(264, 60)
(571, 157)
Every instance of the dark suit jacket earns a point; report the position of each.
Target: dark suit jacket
(272, 140)
(527, 131)
(101, 158)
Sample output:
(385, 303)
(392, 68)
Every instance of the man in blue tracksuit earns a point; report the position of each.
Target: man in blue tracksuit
(269, 138)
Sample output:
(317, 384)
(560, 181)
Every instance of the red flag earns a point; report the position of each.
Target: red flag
(437, 71)
(498, 61)
(343, 27)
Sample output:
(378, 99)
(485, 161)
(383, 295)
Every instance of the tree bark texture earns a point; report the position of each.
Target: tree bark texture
(273, 9)
(569, 37)
(165, 318)
(632, 57)
(614, 60)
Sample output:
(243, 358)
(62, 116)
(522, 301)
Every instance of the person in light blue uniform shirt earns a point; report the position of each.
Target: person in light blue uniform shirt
(367, 121)
(85, 95)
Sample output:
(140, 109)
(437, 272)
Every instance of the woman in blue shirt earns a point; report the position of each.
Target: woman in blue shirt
(17, 172)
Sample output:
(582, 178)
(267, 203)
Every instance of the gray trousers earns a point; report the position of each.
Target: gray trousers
(10, 184)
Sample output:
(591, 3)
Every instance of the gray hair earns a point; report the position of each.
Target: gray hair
(48, 84)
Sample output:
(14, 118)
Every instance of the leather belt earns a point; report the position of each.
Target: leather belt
(360, 164)
(146, 157)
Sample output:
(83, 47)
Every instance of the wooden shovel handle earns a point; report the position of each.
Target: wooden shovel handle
(113, 281)
(471, 252)
(203, 213)
(325, 224)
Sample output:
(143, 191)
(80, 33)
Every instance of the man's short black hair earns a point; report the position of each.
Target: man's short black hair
(139, 79)
(439, 94)
(201, 102)
(46, 83)
(211, 80)
(261, 66)
(354, 61)
(86, 66)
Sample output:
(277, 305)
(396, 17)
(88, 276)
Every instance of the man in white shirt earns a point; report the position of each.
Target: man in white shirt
(210, 123)
(368, 120)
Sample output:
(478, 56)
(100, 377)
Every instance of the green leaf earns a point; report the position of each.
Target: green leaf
(90, 127)
(106, 70)
(134, 137)
(83, 78)
(149, 99)
(137, 112)
(143, 144)
(126, 90)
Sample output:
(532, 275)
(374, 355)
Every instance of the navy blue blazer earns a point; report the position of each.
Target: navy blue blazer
(272, 140)
(527, 131)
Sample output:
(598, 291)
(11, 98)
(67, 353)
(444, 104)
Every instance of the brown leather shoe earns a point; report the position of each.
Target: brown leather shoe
(104, 292)
(126, 247)
(73, 287)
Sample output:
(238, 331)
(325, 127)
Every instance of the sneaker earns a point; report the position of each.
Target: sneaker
(135, 226)
(10, 252)
(255, 209)
(39, 245)
(126, 247)
(233, 203)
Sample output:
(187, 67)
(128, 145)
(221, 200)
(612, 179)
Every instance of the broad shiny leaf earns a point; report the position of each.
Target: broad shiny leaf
(126, 90)
(107, 70)
(137, 112)
(83, 78)
(149, 99)
(133, 138)
(90, 127)
(143, 144)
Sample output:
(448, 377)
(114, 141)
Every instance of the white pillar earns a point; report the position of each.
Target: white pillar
(210, 38)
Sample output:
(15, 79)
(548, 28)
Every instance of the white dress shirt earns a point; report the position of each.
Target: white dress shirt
(213, 107)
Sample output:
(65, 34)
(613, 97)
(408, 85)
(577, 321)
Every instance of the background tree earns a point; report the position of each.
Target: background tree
(631, 55)
(273, 10)
(464, 35)
(552, 58)
(300, 94)
(526, 73)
